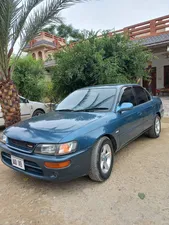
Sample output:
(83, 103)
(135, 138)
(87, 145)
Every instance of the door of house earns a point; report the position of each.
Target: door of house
(150, 85)
(166, 76)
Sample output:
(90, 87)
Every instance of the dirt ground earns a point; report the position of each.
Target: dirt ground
(141, 167)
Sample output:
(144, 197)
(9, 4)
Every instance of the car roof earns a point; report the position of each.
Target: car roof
(109, 85)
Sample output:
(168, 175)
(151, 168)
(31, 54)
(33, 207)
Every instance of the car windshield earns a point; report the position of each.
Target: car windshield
(88, 100)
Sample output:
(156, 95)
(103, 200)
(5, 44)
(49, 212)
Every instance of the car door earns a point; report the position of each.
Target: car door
(145, 105)
(129, 121)
(1, 117)
(25, 108)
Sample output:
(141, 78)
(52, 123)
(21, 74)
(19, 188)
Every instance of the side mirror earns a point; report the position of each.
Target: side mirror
(126, 106)
(25, 100)
(55, 106)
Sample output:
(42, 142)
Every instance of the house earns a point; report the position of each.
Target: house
(153, 33)
(43, 46)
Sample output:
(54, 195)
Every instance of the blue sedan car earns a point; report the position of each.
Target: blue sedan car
(83, 134)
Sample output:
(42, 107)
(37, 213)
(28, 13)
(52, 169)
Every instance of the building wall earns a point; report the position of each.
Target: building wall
(39, 53)
(159, 63)
(42, 51)
(39, 38)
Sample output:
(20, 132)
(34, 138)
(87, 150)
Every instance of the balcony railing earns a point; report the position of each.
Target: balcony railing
(42, 35)
(149, 28)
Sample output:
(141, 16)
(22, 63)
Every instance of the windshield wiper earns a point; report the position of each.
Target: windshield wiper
(82, 110)
(64, 110)
(91, 109)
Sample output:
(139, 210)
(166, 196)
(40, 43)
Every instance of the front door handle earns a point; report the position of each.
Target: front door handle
(140, 114)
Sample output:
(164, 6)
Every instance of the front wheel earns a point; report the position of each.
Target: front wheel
(155, 130)
(38, 112)
(101, 160)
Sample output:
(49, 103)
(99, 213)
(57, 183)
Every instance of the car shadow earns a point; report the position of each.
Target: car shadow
(2, 128)
(48, 186)
(129, 147)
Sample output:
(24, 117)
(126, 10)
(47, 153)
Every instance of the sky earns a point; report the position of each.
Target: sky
(110, 14)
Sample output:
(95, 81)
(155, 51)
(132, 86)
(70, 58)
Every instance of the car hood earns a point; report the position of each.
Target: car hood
(33, 102)
(51, 127)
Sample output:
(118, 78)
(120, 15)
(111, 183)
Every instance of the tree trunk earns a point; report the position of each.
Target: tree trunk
(10, 103)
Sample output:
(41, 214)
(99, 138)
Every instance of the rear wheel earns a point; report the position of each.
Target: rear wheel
(38, 112)
(101, 160)
(155, 130)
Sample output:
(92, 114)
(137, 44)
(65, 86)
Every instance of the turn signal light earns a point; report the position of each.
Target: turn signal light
(54, 165)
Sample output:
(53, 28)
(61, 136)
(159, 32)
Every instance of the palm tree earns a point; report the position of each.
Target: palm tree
(21, 20)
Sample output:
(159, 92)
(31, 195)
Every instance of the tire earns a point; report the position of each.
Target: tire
(38, 112)
(155, 130)
(101, 164)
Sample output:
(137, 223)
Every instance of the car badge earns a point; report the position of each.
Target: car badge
(30, 146)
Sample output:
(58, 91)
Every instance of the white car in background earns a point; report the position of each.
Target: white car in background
(28, 109)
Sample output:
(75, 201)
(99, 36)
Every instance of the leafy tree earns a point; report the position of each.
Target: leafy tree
(50, 29)
(95, 61)
(47, 90)
(68, 32)
(29, 78)
(23, 20)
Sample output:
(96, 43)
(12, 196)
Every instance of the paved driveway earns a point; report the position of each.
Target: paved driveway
(141, 167)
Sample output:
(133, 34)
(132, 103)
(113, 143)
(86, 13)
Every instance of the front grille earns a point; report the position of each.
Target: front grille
(20, 145)
(30, 167)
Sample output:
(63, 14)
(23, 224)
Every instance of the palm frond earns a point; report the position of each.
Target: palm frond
(47, 13)
(9, 10)
(24, 19)
(27, 7)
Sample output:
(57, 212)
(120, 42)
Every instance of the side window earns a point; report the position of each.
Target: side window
(148, 95)
(141, 95)
(21, 100)
(128, 96)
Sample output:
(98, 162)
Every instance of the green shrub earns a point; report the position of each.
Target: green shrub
(30, 78)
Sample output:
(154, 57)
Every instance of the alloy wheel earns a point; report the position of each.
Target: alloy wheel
(105, 158)
(157, 126)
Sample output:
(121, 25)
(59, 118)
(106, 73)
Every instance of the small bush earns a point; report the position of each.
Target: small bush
(31, 80)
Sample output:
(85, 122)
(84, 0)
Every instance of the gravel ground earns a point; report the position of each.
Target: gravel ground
(141, 167)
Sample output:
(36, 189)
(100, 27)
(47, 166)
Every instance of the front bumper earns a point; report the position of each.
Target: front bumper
(34, 164)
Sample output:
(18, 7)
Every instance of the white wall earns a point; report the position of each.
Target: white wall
(159, 63)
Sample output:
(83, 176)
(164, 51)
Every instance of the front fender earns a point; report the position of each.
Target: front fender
(95, 135)
(88, 135)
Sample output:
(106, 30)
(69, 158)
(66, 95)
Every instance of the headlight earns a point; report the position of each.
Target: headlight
(56, 149)
(4, 138)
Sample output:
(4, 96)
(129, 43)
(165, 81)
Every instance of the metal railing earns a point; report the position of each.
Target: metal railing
(149, 28)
